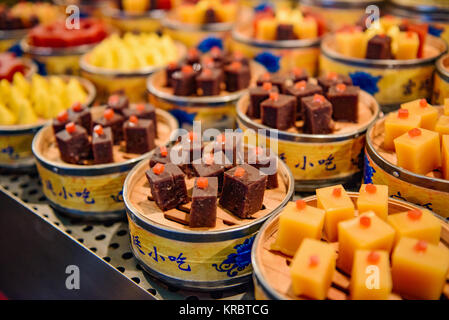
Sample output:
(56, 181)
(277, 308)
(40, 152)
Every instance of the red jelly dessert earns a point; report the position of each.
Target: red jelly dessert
(9, 65)
(57, 35)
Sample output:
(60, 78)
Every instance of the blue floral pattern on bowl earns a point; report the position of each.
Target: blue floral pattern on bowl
(365, 81)
(238, 261)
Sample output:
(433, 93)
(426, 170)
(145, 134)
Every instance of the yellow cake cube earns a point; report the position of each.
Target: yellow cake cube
(371, 275)
(338, 207)
(442, 125)
(389, 21)
(296, 222)
(367, 231)
(373, 197)
(445, 156)
(398, 123)
(351, 44)
(418, 151)
(227, 12)
(312, 269)
(306, 29)
(428, 113)
(408, 43)
(266, 29)
(446, 107)
(418, 224)
(419, 269)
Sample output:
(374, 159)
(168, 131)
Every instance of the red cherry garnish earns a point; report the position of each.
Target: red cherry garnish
(274, 96)
(300, 204)
(423, 103)
(70, 127)
(336, 192)
(403, 113)
(63, 116)
(108, 114)
(365, 221)
(414, 214)
(77, 107)
(239, 172)
(140, 107)
(373, 257)
(318, 98)
(113, 99)
(314, 260)
(202, 183)
(187, 69)
(300, 85)
(340, 87)
(371, 188)
(267, 86)
(163, 150)
(421, 246)
(415, 132)
(98, 129)
(158, 168)
(133, 119)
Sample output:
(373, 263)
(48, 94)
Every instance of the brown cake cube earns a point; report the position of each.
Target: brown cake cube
(345, 102)
(188, 152)
(279, 111)
(221, 159)
(102, 145)
(208, 168)
(266, 162)
(317, 114)
(284, 31)
(160, 155)
(60, 121)
(171, 68)
(193, 56)
(183, 81)
(118, 102)
(237, 76)
(256, 96)
(298, 74)
(236, 57)
(112, 120)
(73, 144)
(142, 111)
(243, 190)
(300, 90)
(379, 47)
(167, 186)
(281, 81)
(139, 135)
(203, 213)
(210, 16)
(332, 79)
(208, 82)
(80, 115)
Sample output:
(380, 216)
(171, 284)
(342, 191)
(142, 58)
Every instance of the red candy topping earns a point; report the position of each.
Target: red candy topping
(193, 52)
(133, 119)
(301, 204)
(172, 65)
(341, 87)
(202, 183)
(215, 50)
(267, 86)
(187, 69)
(163, 151)
(370, 188)
(113, 99)
(423, 103)
(98, 129)
(314, 260)
(414, 214)
(415, 132)
(318, 98)
(373, 257)
(298, 71)
(421, 246)
(70, 127)
(235, 65)
(274, 96)
(140, 107)
(336, 192)
(403, 113)
(108, 114)
(63, 116)
(207, 72)
(192, 136)
(266, 76)
(300, 85)
(332, 75)
(365, 221)
(77, 107)
(221, 138)
(239, 172)
(158, 168)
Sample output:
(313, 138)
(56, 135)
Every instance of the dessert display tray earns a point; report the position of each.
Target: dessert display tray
(430, 191)
(441, 80)
(271, 268)
(392, 82)
(47, 241)
(318, 160)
